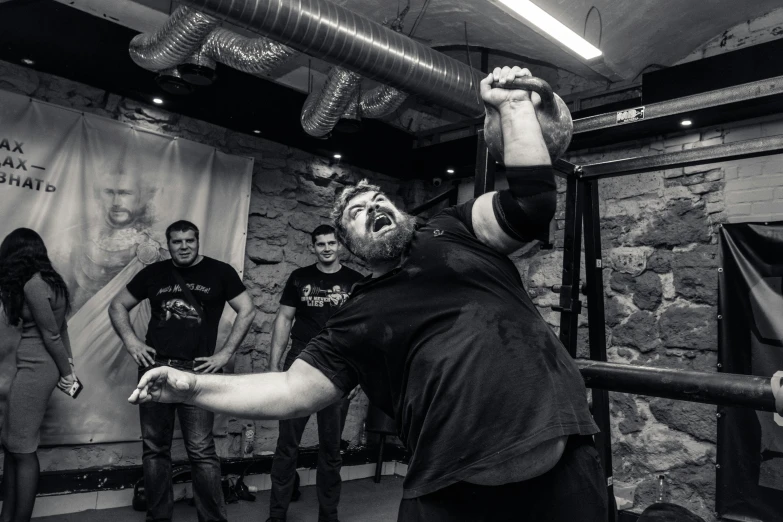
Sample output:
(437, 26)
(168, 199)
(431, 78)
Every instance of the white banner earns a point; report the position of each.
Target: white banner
(101, 193)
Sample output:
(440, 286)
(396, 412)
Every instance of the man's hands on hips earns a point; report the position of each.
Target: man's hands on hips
(214, 363)
(143, 355)
(164, 384)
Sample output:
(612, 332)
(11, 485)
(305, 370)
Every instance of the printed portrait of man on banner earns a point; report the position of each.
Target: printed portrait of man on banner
(120, 225)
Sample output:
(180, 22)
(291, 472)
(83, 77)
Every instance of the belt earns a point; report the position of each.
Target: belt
(177, 363)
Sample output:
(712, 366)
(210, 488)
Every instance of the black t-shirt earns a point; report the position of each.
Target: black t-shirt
(176, 330)
(451, 346)
(316, 295)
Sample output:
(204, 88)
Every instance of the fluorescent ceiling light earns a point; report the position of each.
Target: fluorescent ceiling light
(544, 21)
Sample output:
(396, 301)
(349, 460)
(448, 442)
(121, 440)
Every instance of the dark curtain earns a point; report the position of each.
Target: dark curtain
(750, 444)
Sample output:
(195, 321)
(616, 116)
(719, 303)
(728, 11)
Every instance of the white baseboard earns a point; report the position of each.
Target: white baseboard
(74, 502)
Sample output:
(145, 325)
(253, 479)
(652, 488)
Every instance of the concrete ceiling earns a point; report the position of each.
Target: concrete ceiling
(634, 33)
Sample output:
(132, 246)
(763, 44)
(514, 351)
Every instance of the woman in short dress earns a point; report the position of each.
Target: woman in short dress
(34, 295)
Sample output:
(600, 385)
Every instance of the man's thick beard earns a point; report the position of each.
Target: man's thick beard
(389, 247)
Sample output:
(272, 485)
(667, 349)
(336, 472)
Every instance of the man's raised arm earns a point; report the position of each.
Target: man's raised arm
(299, 392)
(509, 219)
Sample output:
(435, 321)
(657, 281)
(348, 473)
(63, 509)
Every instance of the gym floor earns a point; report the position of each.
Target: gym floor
(360, 501)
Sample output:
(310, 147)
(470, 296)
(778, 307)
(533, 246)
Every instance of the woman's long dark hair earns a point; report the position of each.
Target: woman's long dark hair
(22, 255)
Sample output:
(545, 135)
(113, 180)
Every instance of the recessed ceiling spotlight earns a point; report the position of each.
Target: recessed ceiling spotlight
(256, 131)
(337, 156)
(28, 61)
(449, 171)
(686, 123)
(157, 101)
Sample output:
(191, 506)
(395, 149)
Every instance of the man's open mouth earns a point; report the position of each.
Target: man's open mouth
(381, 220)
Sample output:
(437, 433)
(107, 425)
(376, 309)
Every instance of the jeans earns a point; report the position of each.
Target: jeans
(157, 431)
(573, 490)
(330, 427)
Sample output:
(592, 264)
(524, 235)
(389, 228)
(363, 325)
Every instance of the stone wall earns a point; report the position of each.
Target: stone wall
(292, 192)
(659, 238)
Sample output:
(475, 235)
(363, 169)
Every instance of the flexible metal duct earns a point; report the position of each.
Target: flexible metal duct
(323, 108)
(381, 101)
(325, 30)
(250, 55)
(351, 119)
(188, 34)
(338, 99)
(172, 44)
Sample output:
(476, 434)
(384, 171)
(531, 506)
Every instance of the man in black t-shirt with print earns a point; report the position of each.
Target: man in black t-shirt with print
(187, 296)
(311, 295)
(445, 339)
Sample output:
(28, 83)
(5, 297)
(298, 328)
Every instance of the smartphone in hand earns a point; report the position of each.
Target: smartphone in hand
(75, 389)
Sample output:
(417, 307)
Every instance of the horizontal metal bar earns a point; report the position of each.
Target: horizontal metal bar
(737, 93)
(434, 201)
(600, 92)
(562, 166)
(696, 156)
(723, 389)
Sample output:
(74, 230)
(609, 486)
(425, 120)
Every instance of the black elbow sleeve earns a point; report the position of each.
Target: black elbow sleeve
(525, 210)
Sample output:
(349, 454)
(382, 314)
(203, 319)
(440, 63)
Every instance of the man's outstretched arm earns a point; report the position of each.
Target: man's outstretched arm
(299, 392)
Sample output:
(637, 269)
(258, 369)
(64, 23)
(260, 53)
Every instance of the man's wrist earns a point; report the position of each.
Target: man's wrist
(197, 388)
(226, 350)
(516, 108)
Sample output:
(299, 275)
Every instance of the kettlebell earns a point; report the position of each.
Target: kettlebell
(553, 116)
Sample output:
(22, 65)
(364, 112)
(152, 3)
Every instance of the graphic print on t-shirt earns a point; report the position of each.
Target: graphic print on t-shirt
(314, 296)
(177, 307)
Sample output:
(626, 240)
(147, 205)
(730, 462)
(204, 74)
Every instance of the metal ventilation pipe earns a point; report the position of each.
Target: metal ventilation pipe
(251, 55)
(323, 108)
(325, 30)
(381, 101)
(351, 119)
(187, 33)
(172, 44)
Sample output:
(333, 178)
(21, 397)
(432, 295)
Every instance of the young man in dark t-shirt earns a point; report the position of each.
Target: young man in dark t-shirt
(311, 295)
(445, 339)
(187, 295)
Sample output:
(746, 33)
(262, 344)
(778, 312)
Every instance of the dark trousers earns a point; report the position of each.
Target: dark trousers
(574, 490)
(157, 431)
(330, 427)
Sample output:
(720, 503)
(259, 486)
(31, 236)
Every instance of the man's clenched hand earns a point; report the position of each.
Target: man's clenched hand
(164, 384)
